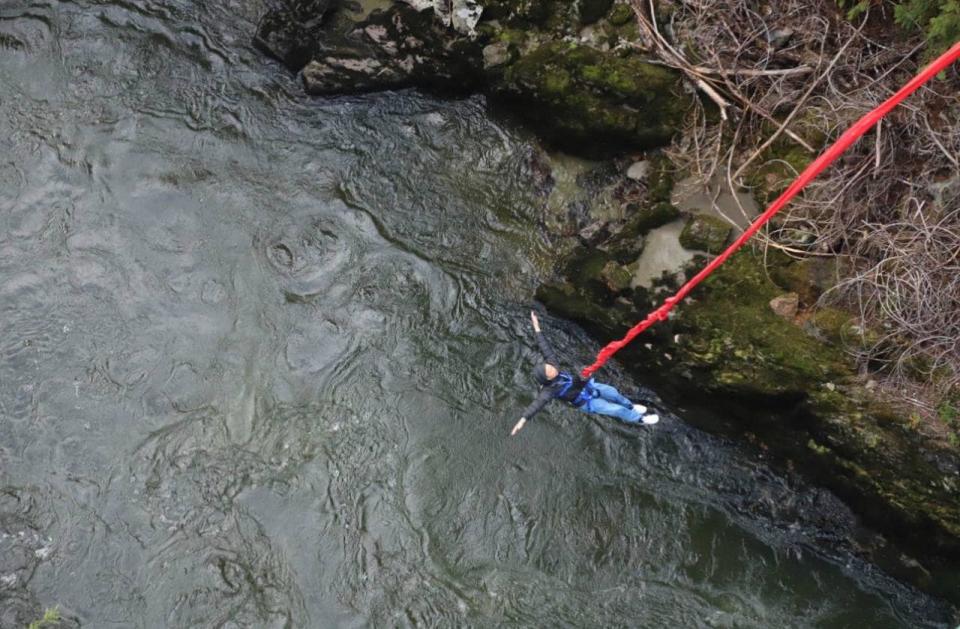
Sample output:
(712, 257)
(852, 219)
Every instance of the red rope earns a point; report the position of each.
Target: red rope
(850, 136)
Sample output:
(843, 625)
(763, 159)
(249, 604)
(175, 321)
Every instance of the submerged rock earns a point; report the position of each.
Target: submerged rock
(290, 29)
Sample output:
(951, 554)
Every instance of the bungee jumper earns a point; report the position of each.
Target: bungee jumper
(586, 395)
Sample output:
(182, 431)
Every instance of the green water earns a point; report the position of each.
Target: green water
(259, 356)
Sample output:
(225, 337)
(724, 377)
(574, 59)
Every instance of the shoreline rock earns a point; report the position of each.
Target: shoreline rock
(579, 90)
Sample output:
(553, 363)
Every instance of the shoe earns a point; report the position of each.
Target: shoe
(640, 408)
(650, 419)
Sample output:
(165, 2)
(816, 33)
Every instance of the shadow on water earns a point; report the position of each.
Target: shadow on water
(259, 355)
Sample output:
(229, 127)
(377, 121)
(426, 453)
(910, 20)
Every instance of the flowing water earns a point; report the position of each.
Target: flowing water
(259, 355)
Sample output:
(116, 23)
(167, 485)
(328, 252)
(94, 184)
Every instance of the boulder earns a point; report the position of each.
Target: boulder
(402, 47)
(705, 233)
(580, 98)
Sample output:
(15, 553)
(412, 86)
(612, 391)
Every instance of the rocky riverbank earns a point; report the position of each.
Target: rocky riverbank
(751, 344)
(570, 70)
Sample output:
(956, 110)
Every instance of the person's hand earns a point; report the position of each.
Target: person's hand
(518, 426)
(536, 322)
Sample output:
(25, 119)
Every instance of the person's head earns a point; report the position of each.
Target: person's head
(545, 373)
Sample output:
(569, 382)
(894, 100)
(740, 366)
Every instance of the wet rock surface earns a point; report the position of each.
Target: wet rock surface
(289, 30)
(578, 89)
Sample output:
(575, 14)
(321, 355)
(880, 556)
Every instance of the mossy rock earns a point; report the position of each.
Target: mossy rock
(575, 304)
(808, 278)
(616, 277)
(621, 15)
(645, 218)
(628, 243)
(746, 348)
(705, 233)
(834, 324)
(578, 96)
(598, 274)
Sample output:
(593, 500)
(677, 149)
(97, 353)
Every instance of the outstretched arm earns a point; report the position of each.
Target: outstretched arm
(535, 407)
(542, 343)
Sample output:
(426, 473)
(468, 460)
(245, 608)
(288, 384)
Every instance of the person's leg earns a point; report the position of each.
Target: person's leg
(601, 406)
(610, 394)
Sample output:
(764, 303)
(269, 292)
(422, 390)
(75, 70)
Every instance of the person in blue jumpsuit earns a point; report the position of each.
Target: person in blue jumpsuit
(587, 395)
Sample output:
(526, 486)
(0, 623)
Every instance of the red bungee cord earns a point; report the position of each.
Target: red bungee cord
(826, 158)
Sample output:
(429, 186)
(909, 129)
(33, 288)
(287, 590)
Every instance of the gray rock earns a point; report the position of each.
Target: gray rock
(461, 15)
(496, 55)
(592, 231)
(464, 16)
(780, 38)
(638, 171)
(785, 305)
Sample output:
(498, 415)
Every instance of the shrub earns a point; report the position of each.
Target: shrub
(939, 19)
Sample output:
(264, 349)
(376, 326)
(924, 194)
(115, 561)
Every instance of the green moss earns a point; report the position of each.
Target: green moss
(616, 277)
(578, 95)
(947, 412)
(735, 333)
(833, 324)
(556, 82)
(628, 32)
(705, 233)
(51, 618)
(817, 448)
(609, 80)
(621, 15)
(513, 36)
(660, 180)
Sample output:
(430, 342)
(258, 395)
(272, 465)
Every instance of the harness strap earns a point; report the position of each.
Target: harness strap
(587, 393)
(567, 381)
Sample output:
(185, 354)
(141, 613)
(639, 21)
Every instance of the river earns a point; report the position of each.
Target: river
(260, 354)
